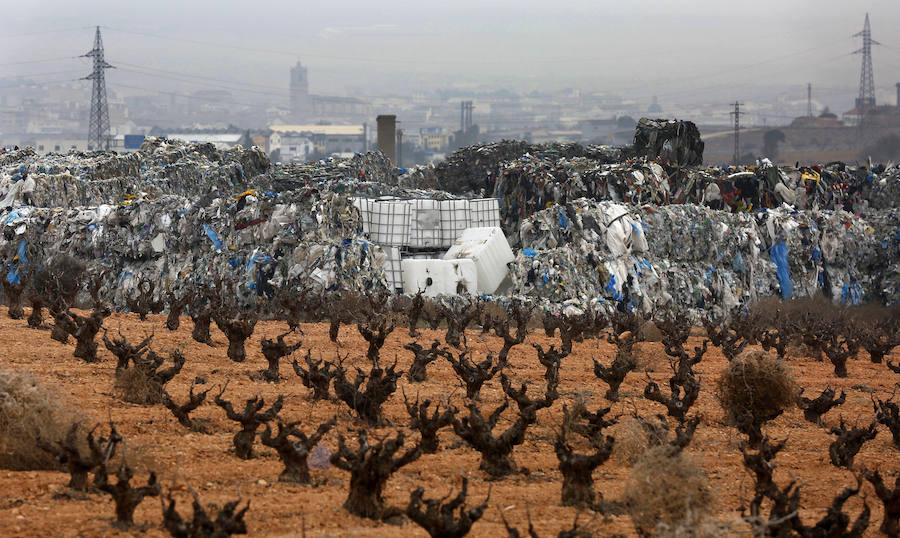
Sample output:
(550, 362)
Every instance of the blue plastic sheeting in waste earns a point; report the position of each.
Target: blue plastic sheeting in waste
(851, 294)
(778, 254)
(563, 221)
(258, 258)
(23, 252)
(13, 277)
(738, 263)
(529, 252)
(212, 235)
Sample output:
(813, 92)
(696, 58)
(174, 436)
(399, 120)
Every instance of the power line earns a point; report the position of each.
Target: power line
(186, 75)
(43, 32)
(204, 84)
(394, 60)
(187, 96)
(47, 60)
(30, 76)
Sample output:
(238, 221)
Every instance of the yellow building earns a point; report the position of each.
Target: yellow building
(435, 142)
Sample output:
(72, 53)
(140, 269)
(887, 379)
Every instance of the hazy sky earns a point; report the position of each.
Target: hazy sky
(677, 50)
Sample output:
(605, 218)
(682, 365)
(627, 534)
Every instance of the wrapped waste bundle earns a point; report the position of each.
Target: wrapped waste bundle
(691, 256)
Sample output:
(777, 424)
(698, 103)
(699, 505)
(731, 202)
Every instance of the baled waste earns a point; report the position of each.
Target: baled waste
(589, 226)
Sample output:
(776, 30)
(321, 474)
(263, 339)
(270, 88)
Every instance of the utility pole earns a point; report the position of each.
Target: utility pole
(98, 131)
(737, 132)
(809, 113)
(866, 99)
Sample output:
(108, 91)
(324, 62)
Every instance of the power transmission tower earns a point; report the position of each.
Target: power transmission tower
(737, 132)
(809, 113)
(98, 132)
(866, 99)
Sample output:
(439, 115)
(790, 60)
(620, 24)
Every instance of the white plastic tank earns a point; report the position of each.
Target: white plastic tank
(484, 212)
(454, 219)
(439, 277)
(425, 224)
(489, 250)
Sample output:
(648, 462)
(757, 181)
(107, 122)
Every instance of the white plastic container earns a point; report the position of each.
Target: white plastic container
(484, 213)
(439, 277)
(490, 251)
(425, 224)
(386, 221)
(393, 272)
(454, 219)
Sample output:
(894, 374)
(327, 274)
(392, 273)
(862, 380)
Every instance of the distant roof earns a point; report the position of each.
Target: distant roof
(224, 138)
(611, 121)
(338, 100)
(347, 130)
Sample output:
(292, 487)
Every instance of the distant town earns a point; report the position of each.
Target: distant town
(297, 125)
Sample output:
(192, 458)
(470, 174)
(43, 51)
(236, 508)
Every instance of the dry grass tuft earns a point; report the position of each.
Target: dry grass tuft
(633, 439)
(135, 385)
(28, 410)
(666, 490)
(708, 527)
(756, 385)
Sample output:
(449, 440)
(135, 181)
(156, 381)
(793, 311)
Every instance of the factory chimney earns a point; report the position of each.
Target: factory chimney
(387, 136)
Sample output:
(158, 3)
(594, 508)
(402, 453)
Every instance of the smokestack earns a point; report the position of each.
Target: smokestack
(387, 136)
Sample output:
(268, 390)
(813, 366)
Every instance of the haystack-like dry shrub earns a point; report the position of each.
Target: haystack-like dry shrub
(144, 383)
(755, 388)
(666, 488)
(29, 411)
(633, 439)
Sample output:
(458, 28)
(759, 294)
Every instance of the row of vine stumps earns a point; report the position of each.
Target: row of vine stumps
(489, 409)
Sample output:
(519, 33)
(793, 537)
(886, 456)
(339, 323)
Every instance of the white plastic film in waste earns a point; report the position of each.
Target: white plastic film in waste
(484, 213)
(439, 277)
(425, 224)
(454, 219)
(490, 251)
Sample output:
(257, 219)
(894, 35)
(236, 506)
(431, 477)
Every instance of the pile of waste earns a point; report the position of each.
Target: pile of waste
(363, 173)
(98, 177)
(260, 241)
(661, 168)
(676, 142)
(587, 225)
(474, 169)
(690, 256)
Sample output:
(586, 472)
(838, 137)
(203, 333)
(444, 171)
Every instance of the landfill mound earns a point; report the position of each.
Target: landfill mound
(93, 178)
(661, 168)
(474, 169)
(695, 258)
(184, 215)
(674, 141)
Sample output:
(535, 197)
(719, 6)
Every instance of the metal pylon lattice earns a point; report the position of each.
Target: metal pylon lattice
(98, 131)
(866, 99)
(736, 159)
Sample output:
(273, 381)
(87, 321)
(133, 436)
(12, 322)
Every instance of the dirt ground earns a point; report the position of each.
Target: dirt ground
(33, 504)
